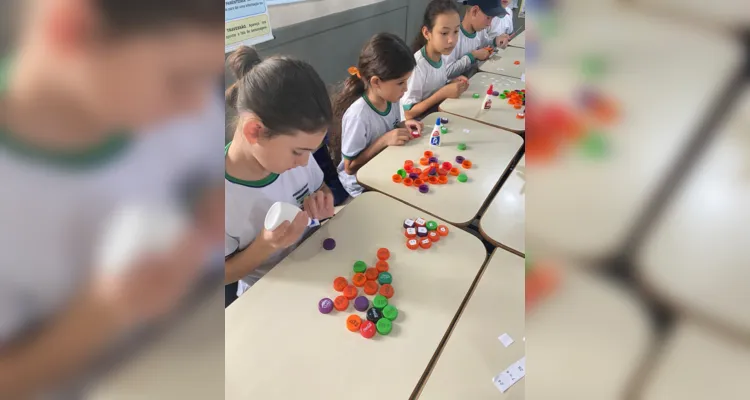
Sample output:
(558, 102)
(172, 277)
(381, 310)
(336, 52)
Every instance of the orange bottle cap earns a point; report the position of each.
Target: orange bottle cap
(517, 106)
(428, 154)
(454, 171)
(442, 230)
(417, 171)
(424, 161)
(442, 179)
(408, 182)
(442, 172)
(434, 236)
(359, 280)
(425, 243)
(353, 323)
(408, 164)
(397, 178)
(410, 232)
(371, 287)
(371, 274)
(350, 292)
(341, 303)
(340, 283)
(466, 164)
(412, 244)
(382, 266)
(383, 254)
(386, 290)
(418, 182)
(434, 165)
(433, 180)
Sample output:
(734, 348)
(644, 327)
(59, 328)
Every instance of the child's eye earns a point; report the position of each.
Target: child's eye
(296, 153)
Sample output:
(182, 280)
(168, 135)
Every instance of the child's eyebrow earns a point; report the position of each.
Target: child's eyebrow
(305, 149)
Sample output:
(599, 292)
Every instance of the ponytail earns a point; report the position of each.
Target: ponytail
(351, 89)
(419, 42)
(239, 63)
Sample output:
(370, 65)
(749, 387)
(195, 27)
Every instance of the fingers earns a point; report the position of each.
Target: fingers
(320, 202)
(328, 205)
(310, 205)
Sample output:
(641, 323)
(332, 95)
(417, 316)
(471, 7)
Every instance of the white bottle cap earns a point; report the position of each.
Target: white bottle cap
(280, 212)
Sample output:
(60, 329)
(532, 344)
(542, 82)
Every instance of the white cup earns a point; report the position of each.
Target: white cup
(280, 212)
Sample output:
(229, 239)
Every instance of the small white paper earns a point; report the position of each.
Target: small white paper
(505, 339)
(523, 77)
(502, 381)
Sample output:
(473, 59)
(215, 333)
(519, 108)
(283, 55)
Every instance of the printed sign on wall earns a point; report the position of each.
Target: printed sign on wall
(245, 22)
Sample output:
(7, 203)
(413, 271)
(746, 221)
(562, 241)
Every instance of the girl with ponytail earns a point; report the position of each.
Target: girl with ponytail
(283, 113)
(368, 106)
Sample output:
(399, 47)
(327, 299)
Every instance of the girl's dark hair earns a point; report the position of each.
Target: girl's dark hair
(143, 15)
(287, 95)
(386, 56)
(434, 8)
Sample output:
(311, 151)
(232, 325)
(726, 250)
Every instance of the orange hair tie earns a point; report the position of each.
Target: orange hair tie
(354, 71)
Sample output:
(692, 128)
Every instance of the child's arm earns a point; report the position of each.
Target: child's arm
(452, 90)
(241, 263)
(396, 137)
(461, 65)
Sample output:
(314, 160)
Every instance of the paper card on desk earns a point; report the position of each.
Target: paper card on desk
(502, 381)
(523, 77)
(510, 376)
(505, 339)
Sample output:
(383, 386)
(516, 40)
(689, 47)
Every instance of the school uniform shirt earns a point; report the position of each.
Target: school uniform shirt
(248, 202)
(361, 125)
(461, 59)
(55, 207)
(502, 25)
(427, 78)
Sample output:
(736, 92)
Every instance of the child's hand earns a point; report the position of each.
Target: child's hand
(319, 205)
(285, 234)
(502, 41)
(455, 89)
(481, 54)
(461, 79)
(413, 125)
(397, 137)
(155, 285)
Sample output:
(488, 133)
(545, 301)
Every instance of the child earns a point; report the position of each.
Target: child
(474, 38)
(369, 107)
(125, 117)
(283, 114)
(427, 87)
(503, 25)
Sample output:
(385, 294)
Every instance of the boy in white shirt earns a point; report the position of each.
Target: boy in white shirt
(503, 25)
(474, 37)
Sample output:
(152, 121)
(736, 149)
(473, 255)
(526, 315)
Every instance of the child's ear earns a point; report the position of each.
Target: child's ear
(375, 82)
(426, 33)
(70, 25)
(252, 129)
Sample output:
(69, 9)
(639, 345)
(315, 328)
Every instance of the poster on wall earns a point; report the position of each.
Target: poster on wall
(245, 22)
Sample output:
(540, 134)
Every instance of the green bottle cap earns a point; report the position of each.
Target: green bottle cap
(462, 146)
(360, 266)
(594, 145)
(462, 178)
(431, 225)
(475, 95)
(379, 301)
(390, 312)
(402, 173)
(443, 129)
(385, 277)
(384, 326)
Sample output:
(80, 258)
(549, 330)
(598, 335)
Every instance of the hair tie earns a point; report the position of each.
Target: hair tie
(354, 71)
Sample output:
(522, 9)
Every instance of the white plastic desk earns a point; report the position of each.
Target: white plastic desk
(690, 352)
(473, 354)
(186, 363)
(279, 347)
(489, 149)
(503, 62)
(504, 221)
(585, 208)
(697, 257)
(500, 115)
(586, 341)
(519, 40)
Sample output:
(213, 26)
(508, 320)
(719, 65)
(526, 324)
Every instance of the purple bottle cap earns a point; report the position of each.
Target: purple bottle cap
(433, 159)
(496, 93)
(361, 303)
(325, 305)
(422, 231)
(424, 188)
(460, 159)
(444, 120)
(413, 175)
(329, 244)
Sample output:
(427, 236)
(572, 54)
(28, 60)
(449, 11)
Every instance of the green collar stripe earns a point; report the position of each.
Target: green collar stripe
(435, 64)
(467, 34)
(271, 178)
(112, 145)
(381, 113)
